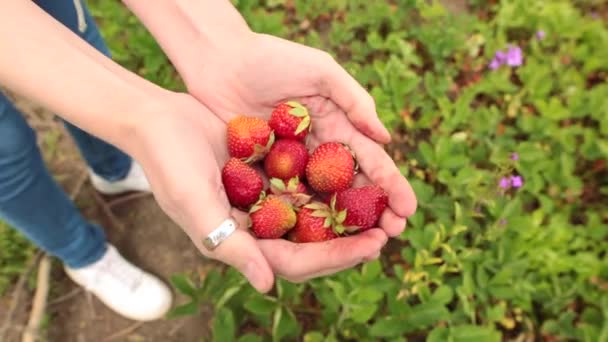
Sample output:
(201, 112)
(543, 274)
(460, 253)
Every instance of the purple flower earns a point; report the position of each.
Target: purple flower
(540, 34)
(514, 56)
(514, 156)
(503, 222)
(504, 183)
(517, 181)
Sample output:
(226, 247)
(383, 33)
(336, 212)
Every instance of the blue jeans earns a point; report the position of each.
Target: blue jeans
(30, 200)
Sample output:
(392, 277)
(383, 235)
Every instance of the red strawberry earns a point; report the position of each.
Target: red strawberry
(249, 138)
(293, 191)
(290, 120)
(242, 183)
(271, 217)
(313, 224)
(363, 206)
(286, 159)
(331, 168)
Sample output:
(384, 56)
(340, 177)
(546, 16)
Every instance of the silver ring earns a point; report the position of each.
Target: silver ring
(221, 233)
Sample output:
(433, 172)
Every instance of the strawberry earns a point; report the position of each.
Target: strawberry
(313, 224)
(363, 206)
(271, 217)
(286, 159)
(242, 183)
(249, 138)
(293, 191)
(331, 168)
(290, 120)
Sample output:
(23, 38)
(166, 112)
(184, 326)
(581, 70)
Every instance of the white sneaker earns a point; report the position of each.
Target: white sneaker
(123, 287)
(134, 181)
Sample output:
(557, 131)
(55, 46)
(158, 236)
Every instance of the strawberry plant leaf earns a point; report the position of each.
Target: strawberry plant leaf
(224, 326)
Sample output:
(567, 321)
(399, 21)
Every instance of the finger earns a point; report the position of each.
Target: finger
(302, 261)
(239, 250)
(392, 223)
(354, 100)
(381, 170)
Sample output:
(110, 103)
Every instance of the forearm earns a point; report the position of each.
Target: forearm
(44, 61)
(193, 32)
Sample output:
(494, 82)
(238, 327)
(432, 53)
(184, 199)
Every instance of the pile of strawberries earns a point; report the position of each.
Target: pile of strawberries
(311, 196)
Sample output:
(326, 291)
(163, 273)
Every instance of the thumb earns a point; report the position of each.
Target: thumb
(359, 106)
(238, 250)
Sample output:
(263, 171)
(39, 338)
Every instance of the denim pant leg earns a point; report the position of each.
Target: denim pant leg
(105, 159)
(33, 203)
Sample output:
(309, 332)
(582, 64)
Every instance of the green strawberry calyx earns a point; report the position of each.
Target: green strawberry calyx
(259, 151)
(290, 192)
(298, 110)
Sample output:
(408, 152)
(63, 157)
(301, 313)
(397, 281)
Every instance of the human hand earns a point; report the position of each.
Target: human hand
(182, 151)
(269, 70)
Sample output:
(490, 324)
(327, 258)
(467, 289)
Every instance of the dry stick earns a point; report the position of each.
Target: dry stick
(65, 297)
(125, 331)
(127, 198)
(42, 291)
(17, 293)
(108, 212)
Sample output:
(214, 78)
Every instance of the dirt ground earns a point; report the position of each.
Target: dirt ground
(139, 229)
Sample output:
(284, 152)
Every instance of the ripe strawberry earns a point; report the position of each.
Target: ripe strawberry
(331, 168)
(271, 217)
(363, 206)
(249, 138)
(287, 159)
(293, 191)
(242, 183)
(313, 224)
(290, 120)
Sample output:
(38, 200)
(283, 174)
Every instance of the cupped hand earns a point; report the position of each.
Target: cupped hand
(270, 70)
(182, 151)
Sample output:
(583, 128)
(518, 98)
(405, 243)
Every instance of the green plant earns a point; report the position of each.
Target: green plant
(509, 165)
(15, 251)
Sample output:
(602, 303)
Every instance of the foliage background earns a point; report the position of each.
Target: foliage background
(477, 262)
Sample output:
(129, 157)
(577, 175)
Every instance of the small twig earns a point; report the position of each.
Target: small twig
(176, 328)
(84, 175)
(108, 212)
(65, 297)
(89, 298)
(125, 331)
(127, 198)
(17, 293)
(39, 305)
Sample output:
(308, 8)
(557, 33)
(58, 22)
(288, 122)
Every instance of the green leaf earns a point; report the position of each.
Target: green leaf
(388, 327)
(473, 333)
(250, 337)
(229, 293)
(371, 270)
(187, 309)
(314, 336)
(260, 305)
(443, 295)
(363, 312)
(284, 324)
(183, 285)
(224, 327)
